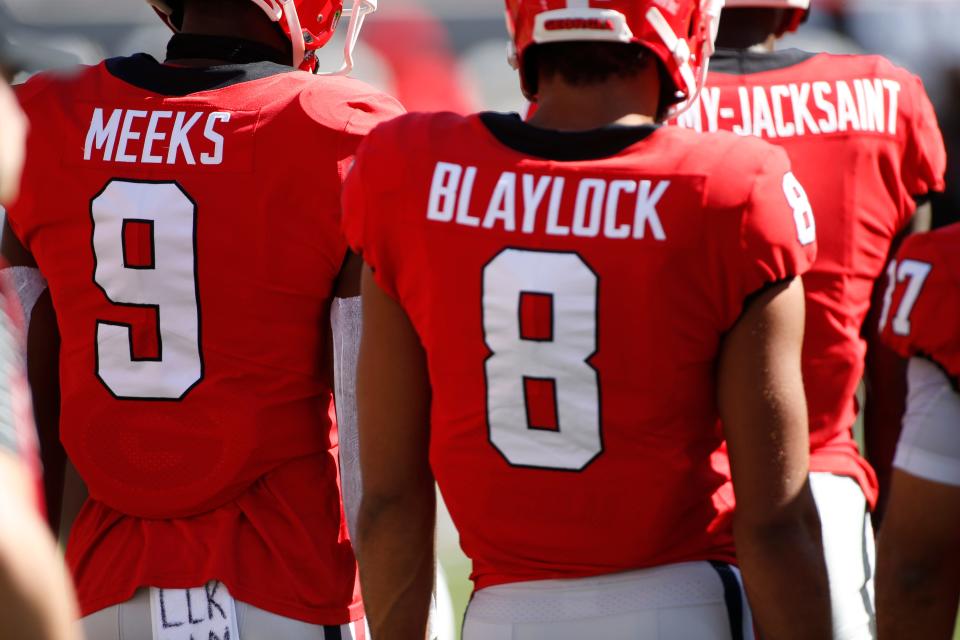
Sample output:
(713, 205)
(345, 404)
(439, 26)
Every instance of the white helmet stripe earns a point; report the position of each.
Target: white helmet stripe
(578, 4)
(296, 31)
(784, 4)
(271, 8)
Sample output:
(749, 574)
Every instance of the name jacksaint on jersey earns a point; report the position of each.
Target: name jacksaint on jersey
(864, 142)
(571, 292)
(187, 222)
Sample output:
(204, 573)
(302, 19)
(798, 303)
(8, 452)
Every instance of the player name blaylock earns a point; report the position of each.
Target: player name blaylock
(596, 209)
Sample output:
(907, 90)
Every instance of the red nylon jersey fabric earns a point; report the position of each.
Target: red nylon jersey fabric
(863, 140)
(923, 303)
(191, 267)
(572, 343)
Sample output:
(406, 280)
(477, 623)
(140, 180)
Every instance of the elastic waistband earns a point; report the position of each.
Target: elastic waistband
(668, 586)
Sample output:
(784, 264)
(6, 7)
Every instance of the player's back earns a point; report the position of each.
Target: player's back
(187, 222)
(571, 291)
(863, 140)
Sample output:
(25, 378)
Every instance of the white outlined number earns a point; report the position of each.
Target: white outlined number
(917, 273)
(802, 210)
(563, 359)
(168, 285)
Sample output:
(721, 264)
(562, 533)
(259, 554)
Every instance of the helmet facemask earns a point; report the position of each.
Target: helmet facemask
(286, 15)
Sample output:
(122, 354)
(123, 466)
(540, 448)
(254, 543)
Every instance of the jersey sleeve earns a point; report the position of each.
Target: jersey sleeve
(365, 223)
(922, 299)
(22, 213)
(929, 446)
(368, 112)
(347, 110)
(925, 156)
(777, 239)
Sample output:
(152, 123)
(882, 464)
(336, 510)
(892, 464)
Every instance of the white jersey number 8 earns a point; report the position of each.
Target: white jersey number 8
(167, 284)
(560, 359)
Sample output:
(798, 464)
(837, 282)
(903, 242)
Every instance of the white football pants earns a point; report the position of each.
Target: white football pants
(848, 546)
(687, 601)
(131, 620)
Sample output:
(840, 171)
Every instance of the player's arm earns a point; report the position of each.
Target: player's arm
(885, 375)
(776, 524)
(36, 599)
(918, 563)
(395, 540)
(918, 560)
(43, 361)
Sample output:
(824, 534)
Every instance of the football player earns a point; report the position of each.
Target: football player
(185, 215)
(557, 315)
(918, 564)
(36, 601)
(863, 139)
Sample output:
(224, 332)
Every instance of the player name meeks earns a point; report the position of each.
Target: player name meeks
(155, 137)
(596, 210)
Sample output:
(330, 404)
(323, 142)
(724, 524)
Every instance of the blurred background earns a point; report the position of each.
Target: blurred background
(451, 55)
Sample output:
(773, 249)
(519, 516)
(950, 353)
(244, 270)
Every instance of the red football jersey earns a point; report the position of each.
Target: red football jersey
(187, 221)
(571, 292)
(864, 142)
(922, 301)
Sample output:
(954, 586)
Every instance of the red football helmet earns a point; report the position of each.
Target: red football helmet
(308, 23)
(800, 8)
(680, 33)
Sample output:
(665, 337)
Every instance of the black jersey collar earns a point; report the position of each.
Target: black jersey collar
(247, 61)
(743, 61)
(568, 146)
(187, 46)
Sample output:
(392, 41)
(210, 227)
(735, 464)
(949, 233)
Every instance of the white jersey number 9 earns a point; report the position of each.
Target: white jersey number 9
(167, 283)
(557, 359)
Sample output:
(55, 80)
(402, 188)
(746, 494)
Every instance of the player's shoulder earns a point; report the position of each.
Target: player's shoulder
(53, 85)
(730, 164)
(420, 130)
(717, 152)
(870, 67)
(858, 65)
(418, 122)
(343, 103)
(923, 290)
(939, 248)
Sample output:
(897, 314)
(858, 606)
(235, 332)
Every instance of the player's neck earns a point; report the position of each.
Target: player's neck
(761, 43)
(244, 21)
(618, 101)
(751, 29)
